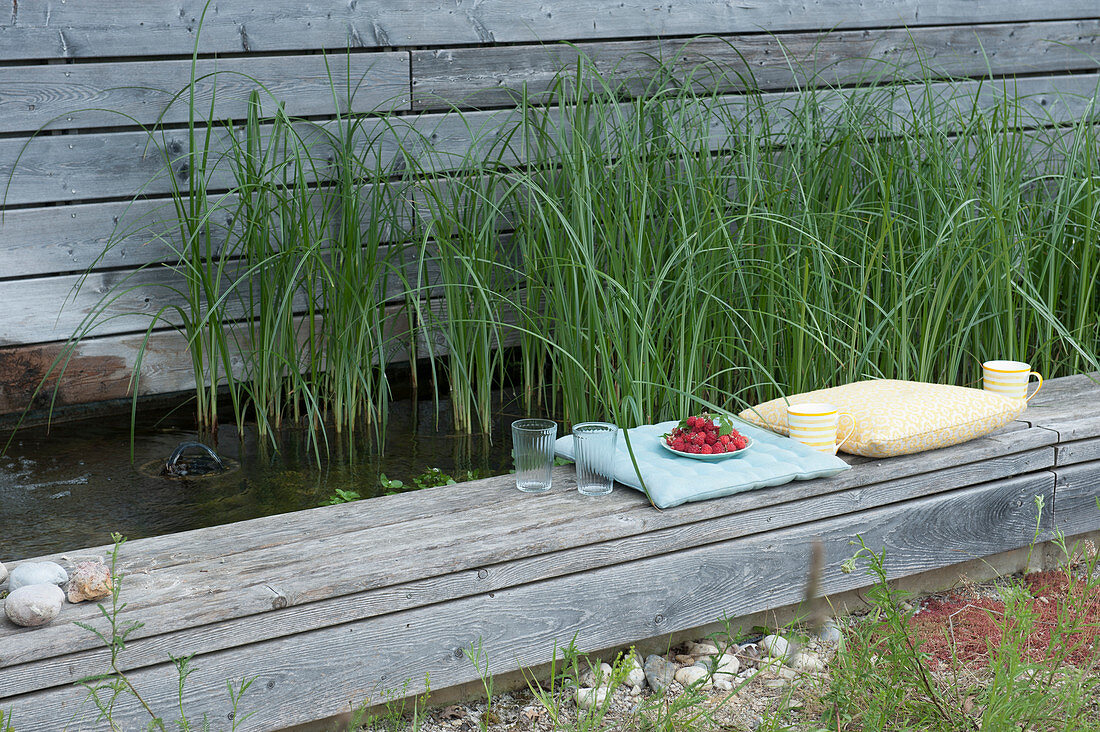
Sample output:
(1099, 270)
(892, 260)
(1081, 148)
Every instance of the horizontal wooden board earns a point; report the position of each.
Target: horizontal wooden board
(148, 93)
(302, 617)
(76, 167)
(100, 369)
(1075, 498)
(499, 75)
(173, 578)
(46, 309)
(51, 168)
(1080, 451)
(39, 29)
(1070, 406)
(319, 673)
(52, 240)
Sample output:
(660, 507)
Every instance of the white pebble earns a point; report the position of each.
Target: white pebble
(3, 573)
(727, 665)
(704, 648)
(691, 674)
(605, 674)
(829, 633)
(723, 684)
(32, 605)
(588, 698)
(807, 662)
(775, 646)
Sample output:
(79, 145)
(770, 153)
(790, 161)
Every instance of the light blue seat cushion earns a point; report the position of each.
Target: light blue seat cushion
(671, 479)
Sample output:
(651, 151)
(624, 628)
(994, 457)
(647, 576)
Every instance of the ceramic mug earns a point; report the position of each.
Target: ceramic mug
(1009, 378)
(815, 424)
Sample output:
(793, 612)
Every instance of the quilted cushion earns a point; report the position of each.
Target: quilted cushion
(901, 417)
(672, 479)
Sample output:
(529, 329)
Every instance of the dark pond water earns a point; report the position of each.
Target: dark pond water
(71, 487)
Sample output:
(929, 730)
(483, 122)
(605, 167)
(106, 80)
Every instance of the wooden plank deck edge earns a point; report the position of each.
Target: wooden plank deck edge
(316, 673)
(301, 611)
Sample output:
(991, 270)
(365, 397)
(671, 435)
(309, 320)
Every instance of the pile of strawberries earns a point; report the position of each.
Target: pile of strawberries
(703, 435)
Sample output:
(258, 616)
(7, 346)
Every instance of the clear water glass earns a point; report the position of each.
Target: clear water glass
(533, 452)
(594, 453)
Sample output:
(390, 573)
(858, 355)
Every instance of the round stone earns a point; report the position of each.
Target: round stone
(690, 675)
(588, 698)
(702, 649)
(3, 573)
(775, 646)
(635, 675)
(37, 573)
(32, 605)
(829, 633)
(723, 683)
(727, 665)
(807, 662)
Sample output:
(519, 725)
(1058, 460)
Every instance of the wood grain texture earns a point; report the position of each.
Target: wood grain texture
(499, 75)
(76, 167)
(1075, 498)
(152, 92)
(1069, 406)
(1079, 451)
(175, 576)
(47, 309)
(100, 369)
(319, 673)
(53, 168)
(40, 29)
(53, 240)
(23, 669)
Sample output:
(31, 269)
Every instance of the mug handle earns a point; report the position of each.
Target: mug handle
(1040, 386)
(844, 439)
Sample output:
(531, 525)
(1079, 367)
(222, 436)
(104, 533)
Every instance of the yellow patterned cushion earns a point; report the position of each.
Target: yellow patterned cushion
(900, 417)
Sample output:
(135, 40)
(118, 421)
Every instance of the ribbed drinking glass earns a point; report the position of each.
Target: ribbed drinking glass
(533, 451)
(594, 453)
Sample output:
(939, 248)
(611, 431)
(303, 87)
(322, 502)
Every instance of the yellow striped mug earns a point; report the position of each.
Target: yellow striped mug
(1009, 378)
(815, 424)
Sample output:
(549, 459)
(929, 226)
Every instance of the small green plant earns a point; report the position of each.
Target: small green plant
(884, 680)
(105, 689)
(389, 486)
(399, 711)
(341, 496)
(6, 724)
(480, 660)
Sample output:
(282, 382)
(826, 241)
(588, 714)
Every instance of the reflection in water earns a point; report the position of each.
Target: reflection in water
(72, 487)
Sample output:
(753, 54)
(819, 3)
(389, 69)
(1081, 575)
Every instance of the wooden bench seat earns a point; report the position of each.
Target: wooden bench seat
(334, 605)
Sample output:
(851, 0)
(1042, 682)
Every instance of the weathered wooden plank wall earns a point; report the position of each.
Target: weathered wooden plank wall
(81, 88)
